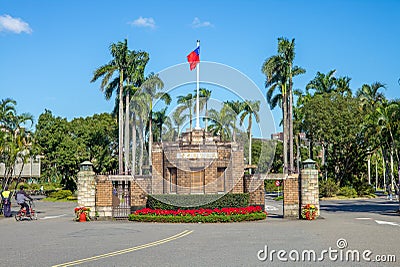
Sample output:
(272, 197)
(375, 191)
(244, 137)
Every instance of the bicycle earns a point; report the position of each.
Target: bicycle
(21, 214)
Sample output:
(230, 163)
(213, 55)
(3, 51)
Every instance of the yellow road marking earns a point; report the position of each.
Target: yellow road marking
(123, 251)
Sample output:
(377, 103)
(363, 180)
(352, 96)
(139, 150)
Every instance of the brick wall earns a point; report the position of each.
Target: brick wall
(103, 192)
(291, 197)
(139, 189)
(255, 187)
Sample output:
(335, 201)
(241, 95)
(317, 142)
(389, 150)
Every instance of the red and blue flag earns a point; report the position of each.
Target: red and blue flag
(194, 58)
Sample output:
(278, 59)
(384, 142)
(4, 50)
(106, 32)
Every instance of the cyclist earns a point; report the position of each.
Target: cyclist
(21, 197)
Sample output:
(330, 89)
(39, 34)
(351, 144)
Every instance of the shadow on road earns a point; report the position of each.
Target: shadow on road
(377, 206)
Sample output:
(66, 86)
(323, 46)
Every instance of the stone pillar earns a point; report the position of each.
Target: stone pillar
(87, 187)
(310, 188)
(291, 197)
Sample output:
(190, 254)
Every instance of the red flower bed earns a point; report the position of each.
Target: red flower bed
(200, 212)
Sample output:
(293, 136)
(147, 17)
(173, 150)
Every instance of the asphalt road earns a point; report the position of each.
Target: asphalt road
(55, 239)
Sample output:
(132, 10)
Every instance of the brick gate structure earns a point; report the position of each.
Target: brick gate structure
(197, 164)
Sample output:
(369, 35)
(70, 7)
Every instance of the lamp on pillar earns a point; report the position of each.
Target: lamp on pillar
(308, 164)
(86, 166)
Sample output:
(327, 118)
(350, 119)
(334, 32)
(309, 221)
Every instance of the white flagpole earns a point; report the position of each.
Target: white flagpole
(197, 98)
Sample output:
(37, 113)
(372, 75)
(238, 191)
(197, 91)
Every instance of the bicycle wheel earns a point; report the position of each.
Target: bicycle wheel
(17, 217)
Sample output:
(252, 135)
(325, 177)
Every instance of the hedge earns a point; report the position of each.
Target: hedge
(191, 201)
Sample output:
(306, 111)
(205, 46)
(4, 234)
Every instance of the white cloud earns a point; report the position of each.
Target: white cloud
(144, 22)
(15, 25)
(198, 24)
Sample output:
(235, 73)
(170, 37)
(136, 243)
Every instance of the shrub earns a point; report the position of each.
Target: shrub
(328, 188)
(364, 189)
(61, 194)
(347, 191)
(270, 186)
(199, 215)
(186, 201)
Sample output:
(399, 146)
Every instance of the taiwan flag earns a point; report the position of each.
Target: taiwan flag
(194, 58)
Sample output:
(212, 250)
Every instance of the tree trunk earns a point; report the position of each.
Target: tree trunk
(234, 131)
(290, 121)
(206, 122)
(285, 130)
(150, 133)
(126, 141)
(133, 151)
(120, 126)
(250, 122)
(298, 157)
(141, 146)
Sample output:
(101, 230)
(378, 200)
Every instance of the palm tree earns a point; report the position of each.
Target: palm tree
(369, 95)
(137, 61)
(16, 141)
(7, 112)
(160, 118)
(178, 118)
(279, 71)
(237, 107)
(221, 122)
(139, 110)
(119, 64)
(204, 95)
(151, 85)
(323, 83)
(388, 122)
(286, 49)
(250, 109)
(186, 103)
(343, 85)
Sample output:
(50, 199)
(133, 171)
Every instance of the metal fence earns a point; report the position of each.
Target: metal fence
(121, 199)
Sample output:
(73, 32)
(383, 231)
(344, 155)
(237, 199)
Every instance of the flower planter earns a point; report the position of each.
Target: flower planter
(82, 217)
(82, 214)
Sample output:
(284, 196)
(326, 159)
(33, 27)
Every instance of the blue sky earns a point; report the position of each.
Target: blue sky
(49, 49)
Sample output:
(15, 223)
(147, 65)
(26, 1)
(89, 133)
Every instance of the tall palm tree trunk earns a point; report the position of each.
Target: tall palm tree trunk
(150, 132)
(141, 146)
(133, 151)
(290, 120)
(234, 130)
(126, 141)
(206, 122)
(120, 125)
(285, 131)
(250, 122)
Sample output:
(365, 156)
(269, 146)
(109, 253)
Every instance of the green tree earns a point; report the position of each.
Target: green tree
(16, 139)
(370, 96)
(237, 107)
(204, 95)
(119, 64)
(279, 71)
(322, 83)
(221, 122)
(151, 86)
(161, 118)
(178, 118)
(137, 61)
(250, 110)
(186, 104)
(336, 121)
